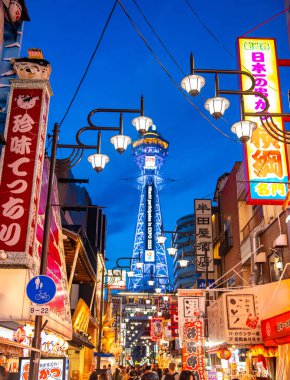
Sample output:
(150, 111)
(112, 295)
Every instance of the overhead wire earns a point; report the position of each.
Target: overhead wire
(151, 50)
(170, 76)
(89, 63)
(225, 48)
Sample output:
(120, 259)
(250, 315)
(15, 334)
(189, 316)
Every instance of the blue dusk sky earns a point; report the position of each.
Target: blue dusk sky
(125, 67)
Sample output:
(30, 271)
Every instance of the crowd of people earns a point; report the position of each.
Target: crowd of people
(145, 372)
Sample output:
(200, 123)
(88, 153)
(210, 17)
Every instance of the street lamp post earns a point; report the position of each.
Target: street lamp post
(217, 105)
(98, 160)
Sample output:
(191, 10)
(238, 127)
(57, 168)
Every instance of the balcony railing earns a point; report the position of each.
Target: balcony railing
(226, 242)
(253, 222)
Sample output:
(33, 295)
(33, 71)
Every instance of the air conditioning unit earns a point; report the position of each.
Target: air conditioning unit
(261, 258)
(280, 241)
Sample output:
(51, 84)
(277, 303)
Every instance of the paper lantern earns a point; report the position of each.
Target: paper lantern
(272, 351)
(260, 349)
(218, 353)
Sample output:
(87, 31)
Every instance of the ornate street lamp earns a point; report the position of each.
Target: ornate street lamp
(217, 105)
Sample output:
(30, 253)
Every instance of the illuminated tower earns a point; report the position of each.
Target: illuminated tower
(149, 152)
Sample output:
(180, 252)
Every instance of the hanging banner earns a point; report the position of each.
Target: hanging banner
(21, 170)
(266, 162)
(173, 307)
(191, 307)
(156, 328)
(193, 349)
(203, 235)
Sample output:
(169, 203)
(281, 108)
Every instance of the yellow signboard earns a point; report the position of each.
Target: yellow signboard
(265, 157)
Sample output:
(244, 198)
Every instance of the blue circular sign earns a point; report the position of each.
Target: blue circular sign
(41, 289)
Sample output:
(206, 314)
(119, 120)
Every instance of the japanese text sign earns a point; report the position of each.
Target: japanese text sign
(242, 318)
(21, 170)
(174, 316)
(192, 349)
(266, 163)
(49, 368)
(203, 235)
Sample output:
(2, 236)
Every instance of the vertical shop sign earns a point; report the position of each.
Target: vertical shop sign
(203, 235)
(149, 235)
(21, 169)
(174, 316)
(156, 328)
(193, 349)
(266, 163)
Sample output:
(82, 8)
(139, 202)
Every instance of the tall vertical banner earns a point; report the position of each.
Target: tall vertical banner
(149, 235)
(266, 163)
(203, 235)
(174, 316)
(193, 349)
(21, 169)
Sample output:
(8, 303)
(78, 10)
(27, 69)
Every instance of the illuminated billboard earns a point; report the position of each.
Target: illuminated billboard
(266, 165)
(149, 219)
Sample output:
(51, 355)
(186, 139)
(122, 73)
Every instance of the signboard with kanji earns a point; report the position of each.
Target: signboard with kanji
(193, 349)
(21, 170)
(49, 368)
(203, 235)
(266, 163)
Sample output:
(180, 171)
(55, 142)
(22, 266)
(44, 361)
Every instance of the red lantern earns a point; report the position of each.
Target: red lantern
(226, 354)
(218, 353)
(260, 349)
(272, 351)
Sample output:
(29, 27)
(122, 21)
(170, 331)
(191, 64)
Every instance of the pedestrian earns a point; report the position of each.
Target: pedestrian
(124, 375)
(149, 374)
(186, 375)
(3, 373)
(109, 372)
(172, 373)
(93, 375)
(117, 375)
(158, 370)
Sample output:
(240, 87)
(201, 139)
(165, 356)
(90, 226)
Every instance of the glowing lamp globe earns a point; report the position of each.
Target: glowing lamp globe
(142, 123)
(120, 142)
(98, 161)
(244, 129)
(217, 106)
(193, 84)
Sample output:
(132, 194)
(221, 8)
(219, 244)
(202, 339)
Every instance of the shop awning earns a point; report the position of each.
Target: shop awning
(79, 341)
(276, 330)
(103, 355)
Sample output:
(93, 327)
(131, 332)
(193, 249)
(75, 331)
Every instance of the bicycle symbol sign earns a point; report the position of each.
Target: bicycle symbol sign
(41, 289)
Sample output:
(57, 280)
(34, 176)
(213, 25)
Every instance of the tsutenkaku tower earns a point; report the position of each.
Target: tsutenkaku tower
(149, 152)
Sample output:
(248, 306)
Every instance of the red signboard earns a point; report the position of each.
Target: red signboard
(174, 317)
(193, 349)
(21, 170)
(156, 328)
(276, 330)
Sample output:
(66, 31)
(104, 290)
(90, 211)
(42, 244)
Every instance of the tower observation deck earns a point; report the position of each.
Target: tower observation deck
(149, 151)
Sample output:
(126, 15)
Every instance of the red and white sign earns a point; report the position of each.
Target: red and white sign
(276, 330)
(21, 170)
(174, 316)
(156, 328)
(193, 349)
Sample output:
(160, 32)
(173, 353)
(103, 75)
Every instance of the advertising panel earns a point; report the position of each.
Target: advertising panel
(266, 163)
(203, 235)
(149, 233)
(49, 368)
(114, 279)
(21, 170)
(276, 330)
